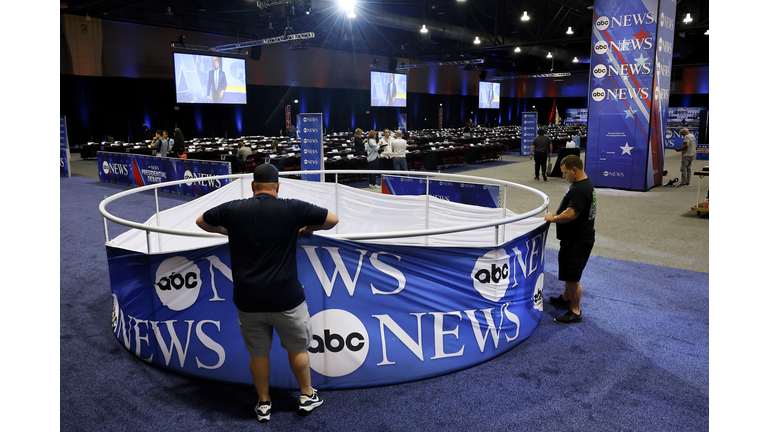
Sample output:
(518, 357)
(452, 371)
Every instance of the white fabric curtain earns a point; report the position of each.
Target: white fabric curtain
(359, 211)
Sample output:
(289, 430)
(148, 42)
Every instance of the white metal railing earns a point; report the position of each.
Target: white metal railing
(370, 236)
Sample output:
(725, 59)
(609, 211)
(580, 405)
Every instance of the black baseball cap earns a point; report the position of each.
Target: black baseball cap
(266, 173)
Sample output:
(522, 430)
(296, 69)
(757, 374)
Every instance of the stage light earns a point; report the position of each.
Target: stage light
(706, 33)
(477, 40)
(569, 32)
(525, 16)
(549, 55)
(424, 28)
(687, 18)
(575, 59)
(517, 49)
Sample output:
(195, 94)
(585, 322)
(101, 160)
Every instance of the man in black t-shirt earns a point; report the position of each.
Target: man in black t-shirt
(262, 232)
(575, 219)
(541, 148)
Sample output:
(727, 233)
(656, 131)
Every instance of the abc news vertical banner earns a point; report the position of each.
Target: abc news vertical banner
(309, 129)
(380, 314)
(140, 170)
(64, 148)
(628, 83)
(530, 128)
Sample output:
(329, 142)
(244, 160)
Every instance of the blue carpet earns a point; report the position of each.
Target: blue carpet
(639, 361)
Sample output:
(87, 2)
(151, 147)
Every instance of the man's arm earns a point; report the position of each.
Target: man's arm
(205, 226)
(330, 221)
(568, 215)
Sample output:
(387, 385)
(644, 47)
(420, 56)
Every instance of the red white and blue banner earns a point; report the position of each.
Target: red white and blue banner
(483, 195)
(64, 156)
(380, 314)
(309, 129)
(529, 130)
(141, 170)
(629, 92)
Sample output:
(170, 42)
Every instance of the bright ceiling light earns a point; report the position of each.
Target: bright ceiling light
(570, 32)
(549, 55)
(424, 28)
(575, 59)
(477, 40)
(687, 18)
(349, 7)
(706, 33)
(517, 49)
(525, 16)
(351, 14)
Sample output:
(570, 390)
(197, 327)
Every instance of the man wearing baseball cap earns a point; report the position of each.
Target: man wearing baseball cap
(262, 232)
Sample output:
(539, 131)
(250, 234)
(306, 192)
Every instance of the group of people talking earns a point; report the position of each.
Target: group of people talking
(387, 147)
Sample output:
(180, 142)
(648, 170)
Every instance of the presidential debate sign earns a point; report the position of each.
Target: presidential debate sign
(380, 314)
(629, 92)
(141, 170)
(310, 132)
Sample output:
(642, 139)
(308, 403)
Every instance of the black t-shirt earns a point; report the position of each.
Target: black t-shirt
(359, 147)
(582, 197)
(541, 144)
(263, 231)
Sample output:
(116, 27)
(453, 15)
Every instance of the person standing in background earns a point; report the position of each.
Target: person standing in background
(540, 150)
(372, 149)
(689, 151)
(359, 144)
(399, 146)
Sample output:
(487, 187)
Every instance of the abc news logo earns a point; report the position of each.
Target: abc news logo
(311, 119)
(120, 169)
(177, 283)
(312, 130)
(612, 174)
(598, 94)
(339, 343)
(310, 140)
(311, 162)
(310, 151)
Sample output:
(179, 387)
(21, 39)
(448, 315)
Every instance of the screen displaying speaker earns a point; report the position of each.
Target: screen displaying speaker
(388, 89)
(209, 79)
(489, 95)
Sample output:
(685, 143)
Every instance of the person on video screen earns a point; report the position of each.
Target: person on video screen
(217, 82)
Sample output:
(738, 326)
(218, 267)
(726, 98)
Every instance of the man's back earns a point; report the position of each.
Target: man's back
(263, 231)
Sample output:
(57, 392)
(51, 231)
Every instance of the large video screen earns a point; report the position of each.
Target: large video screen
(388, 89)
(489, 94)
(209, 79)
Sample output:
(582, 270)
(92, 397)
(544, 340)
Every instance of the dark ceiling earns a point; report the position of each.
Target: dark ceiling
(391, 28)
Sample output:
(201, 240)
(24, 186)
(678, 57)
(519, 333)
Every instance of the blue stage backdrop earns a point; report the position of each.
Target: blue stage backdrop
(140, 170)
(64, 157)
(629, 92)
(380, 314)
(483, 195)
(310, 132)
(530, 129)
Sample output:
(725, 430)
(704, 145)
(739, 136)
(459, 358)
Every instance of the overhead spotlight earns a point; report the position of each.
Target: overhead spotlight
(569, 32)
(549, 55)
(517, 49)
(295, 101)
(169, 11)
(706, 33)
(525, 16)
(424, 28)
(477, 40)
(687, 18)
(351, 14)
(575, 59)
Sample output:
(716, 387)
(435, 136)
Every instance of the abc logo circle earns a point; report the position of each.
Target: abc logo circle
(105, 167)
(538, 294)
(660, 43)
(491, 274)
(601, 47)
(598, 94)
(177, 283)
(188, 176)
(339, 343)
(599, 71)
(669, 133)
(602, 23)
